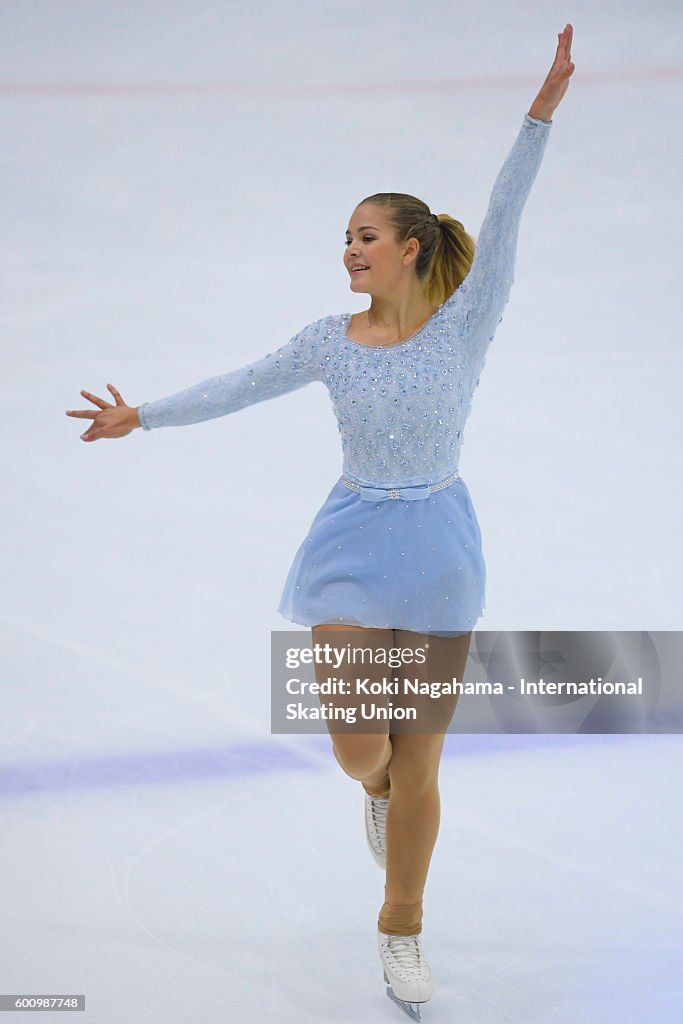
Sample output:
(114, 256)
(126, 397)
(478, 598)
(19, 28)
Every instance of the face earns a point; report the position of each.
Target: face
(371, 243)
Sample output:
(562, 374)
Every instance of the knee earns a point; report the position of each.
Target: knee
(416, 774)
(360, 756)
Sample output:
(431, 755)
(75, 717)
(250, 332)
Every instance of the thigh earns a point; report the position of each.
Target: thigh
(428, 661)
(358, 653)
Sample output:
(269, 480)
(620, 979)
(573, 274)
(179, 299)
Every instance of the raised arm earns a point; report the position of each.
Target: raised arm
(482, 296)
(288, 368)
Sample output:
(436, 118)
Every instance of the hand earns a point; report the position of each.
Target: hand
(112, 421)
(557, 80)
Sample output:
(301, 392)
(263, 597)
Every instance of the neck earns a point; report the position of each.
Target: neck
(398, 314)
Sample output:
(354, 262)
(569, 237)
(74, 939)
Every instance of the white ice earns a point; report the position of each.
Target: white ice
(176, 183)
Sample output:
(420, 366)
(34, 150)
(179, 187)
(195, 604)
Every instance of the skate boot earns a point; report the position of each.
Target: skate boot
(375, 827)
(406, 971)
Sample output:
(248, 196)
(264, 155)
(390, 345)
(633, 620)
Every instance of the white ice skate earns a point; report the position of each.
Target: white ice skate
(375, 827)
(406, 970)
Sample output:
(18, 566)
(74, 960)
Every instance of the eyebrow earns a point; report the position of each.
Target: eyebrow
(364, 228)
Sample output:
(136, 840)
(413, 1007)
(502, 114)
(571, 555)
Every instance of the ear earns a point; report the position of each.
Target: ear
(410, 251)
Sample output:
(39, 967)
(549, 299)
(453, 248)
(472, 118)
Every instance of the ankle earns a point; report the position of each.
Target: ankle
(400, 918)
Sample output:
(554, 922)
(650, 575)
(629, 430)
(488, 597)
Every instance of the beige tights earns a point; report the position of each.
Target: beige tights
(402, 765)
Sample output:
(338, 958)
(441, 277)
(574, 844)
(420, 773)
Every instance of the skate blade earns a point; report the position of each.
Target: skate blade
(412, 1009)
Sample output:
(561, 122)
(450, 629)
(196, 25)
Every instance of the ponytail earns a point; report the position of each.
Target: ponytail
(451, 261)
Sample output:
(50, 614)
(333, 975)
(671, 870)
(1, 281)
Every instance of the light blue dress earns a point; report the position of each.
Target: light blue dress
(392, 552)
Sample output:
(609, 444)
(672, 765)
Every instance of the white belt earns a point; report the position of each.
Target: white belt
(369, 493)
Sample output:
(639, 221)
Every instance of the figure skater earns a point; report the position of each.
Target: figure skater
(393, 557)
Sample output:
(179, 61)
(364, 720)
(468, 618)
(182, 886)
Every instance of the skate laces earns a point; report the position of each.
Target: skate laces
(377, 820)
(407, 952)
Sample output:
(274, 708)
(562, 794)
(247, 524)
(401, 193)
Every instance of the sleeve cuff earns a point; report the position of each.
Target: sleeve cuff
(141, 417)
(536, 120)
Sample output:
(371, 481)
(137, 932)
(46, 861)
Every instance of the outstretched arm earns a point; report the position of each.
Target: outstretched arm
(287, 369)
(290, 367)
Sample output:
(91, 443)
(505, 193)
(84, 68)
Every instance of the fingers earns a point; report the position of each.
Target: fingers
(91, 433)
(562, 63)
(94, 434)
(107, 422)
(96, 400)
(89, 414)
(115, 393)
(564, 45)
(564, 37)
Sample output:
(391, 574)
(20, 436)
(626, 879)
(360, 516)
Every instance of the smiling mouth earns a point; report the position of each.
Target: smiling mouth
(358, 270)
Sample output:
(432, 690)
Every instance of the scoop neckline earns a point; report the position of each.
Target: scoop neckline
(395, 344)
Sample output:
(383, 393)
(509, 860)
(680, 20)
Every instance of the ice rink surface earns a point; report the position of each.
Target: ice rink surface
(176, 181)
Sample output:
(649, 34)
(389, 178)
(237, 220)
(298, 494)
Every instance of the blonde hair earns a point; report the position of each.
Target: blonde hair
(446, 249)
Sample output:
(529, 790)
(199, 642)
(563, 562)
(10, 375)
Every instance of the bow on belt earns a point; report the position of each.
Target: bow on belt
(405, 493)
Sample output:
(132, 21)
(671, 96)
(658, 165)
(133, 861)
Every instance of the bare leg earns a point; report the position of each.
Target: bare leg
(402, 765)
(413, 815)
(363, 756)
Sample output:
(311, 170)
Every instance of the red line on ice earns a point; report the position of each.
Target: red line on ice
(221, 88)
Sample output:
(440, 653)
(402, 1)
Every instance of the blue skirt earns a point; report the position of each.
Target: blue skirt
(395, 563)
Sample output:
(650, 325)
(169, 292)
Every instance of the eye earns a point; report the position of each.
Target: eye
(366, 238)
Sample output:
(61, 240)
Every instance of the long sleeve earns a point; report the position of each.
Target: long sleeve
(483, 295)
(290, 367)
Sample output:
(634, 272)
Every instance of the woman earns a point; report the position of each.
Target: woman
(393, 558)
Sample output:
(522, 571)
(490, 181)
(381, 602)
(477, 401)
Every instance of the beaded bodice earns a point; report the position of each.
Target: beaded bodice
(401, 409)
